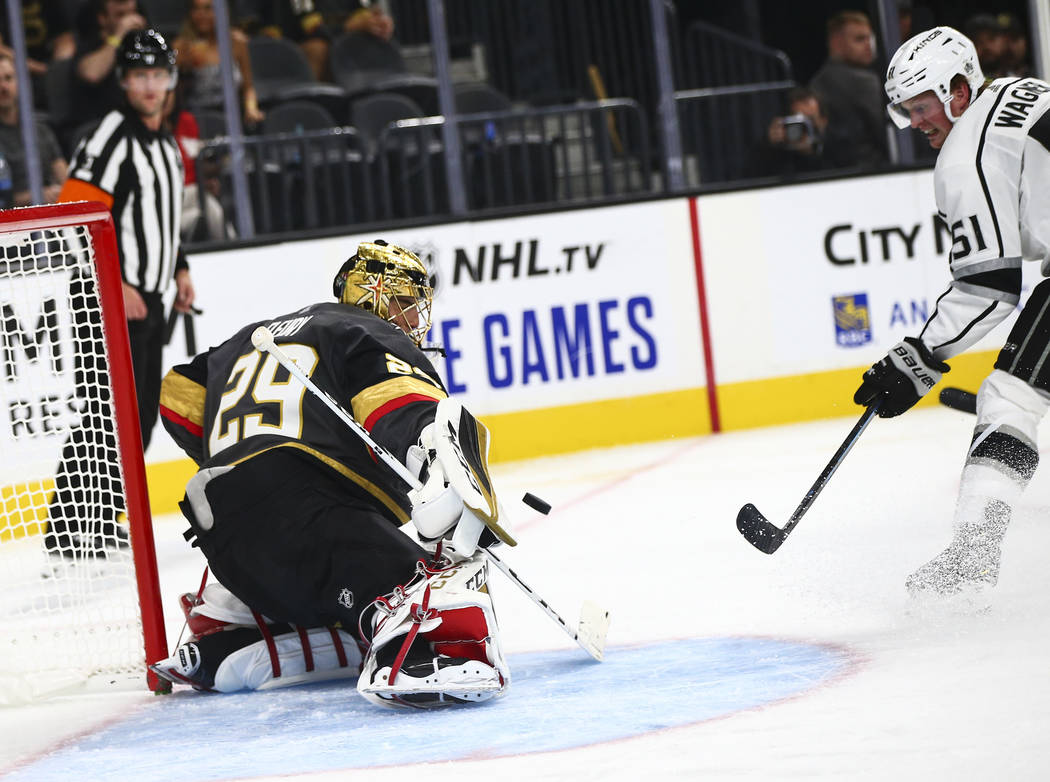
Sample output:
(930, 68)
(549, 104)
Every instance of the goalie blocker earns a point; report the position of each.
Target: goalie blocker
(456, 500)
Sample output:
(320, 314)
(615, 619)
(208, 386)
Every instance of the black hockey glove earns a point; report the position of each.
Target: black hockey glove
(902, 378)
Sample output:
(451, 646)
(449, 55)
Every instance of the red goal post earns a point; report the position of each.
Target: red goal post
(43, 249)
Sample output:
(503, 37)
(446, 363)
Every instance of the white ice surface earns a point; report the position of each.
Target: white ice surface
(930, 691)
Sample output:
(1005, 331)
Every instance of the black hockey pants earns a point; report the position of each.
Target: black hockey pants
(296, 542)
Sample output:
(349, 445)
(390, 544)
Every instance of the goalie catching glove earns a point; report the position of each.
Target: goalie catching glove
(457, 503)
(901, 379)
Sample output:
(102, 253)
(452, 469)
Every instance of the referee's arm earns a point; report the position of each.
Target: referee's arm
(184, 292)
(78, 190)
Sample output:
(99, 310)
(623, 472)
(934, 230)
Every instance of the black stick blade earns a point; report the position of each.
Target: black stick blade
(758, 530)
(958, 399)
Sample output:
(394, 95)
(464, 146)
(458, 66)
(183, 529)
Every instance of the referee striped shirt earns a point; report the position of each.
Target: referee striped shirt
(137, 173)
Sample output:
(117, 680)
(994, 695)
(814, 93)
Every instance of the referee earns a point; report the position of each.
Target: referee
(131, 164)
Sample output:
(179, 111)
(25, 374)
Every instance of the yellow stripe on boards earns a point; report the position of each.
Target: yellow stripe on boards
(24, 509)
(556, 430)
(167, 484)
(784, 400)
(529, 434)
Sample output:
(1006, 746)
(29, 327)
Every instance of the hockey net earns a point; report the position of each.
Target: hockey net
(79, 598)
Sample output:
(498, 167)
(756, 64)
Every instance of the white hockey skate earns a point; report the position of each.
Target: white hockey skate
(970, 564)
(183, 667)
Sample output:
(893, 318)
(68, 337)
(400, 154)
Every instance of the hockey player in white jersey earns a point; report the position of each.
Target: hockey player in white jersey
(991, 179)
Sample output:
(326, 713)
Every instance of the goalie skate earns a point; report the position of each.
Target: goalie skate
(437, 681)
(183, 667)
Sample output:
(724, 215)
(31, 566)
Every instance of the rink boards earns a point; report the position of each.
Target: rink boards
(675, 317)
(593, 323)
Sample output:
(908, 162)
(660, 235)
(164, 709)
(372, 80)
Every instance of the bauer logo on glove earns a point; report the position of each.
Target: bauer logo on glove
(901, 379)
(918, 370)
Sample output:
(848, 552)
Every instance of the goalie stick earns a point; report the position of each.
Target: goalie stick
(957, 399)
(768, 537)
(594, 621)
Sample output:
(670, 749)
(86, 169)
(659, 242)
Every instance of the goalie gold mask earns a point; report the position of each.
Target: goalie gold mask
(389, 281)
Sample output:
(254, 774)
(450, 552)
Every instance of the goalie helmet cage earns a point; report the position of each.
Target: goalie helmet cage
(87, 614)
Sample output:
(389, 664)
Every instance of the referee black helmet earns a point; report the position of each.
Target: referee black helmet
(145, 49)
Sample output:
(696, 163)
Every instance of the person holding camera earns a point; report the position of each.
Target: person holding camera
(851, 91)
(802, 141)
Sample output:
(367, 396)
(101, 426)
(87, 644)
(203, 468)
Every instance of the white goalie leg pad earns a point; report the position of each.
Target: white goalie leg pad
(217, 602)
(252, 668)
(449, 614)
(215, 609)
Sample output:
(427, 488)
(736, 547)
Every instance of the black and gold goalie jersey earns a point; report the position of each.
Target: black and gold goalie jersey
(234, 402)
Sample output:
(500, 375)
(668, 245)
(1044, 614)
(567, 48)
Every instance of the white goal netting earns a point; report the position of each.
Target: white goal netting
(69, 606)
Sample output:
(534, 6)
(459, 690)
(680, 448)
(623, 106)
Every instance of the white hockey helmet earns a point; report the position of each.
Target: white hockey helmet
(929, 61)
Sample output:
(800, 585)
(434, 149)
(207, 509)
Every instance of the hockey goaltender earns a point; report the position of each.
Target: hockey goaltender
(313, 578)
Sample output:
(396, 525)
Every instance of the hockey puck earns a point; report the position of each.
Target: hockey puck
(536, 503)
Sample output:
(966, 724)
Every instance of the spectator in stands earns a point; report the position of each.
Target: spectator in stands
(904, 19)
(203, 218)
(101, 26)
(353, 17)
(313, 23)
(1015, 48)
(850, 91)
(989, 38)
(913, 17)
(48, 35)
(52, 164)
(802, 141)
(198, 58)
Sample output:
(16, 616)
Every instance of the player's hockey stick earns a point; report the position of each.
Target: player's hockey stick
(766, 536)
(594, 621)
(957, 399)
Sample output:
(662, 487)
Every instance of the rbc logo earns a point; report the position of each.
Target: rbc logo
(852, 320)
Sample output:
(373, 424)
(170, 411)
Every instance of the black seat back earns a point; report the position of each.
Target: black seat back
(296, 116)
(374, 112)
